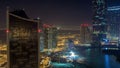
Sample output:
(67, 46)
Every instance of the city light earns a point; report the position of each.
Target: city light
(39, 30)
(46, 26)
(114, 8)
(64, 36)
(106, 40)
(72, 54)
(106, 48)
(84, 25)
(7, 31)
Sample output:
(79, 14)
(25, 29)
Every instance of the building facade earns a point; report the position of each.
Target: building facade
(99, 21)
(50, 37)
(3, 35)
(85, 34)
(113, 20)
(23, 40)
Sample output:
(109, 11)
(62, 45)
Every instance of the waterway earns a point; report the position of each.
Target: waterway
(95, 58)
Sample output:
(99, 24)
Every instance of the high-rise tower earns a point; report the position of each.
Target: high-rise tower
(85, 33)
(113, 21)
(99, 22)
(22, 40)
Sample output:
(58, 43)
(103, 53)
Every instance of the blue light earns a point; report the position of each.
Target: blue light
(113, 8)
(106, 40)
(106, 48)
(107, 63)
(72, 54)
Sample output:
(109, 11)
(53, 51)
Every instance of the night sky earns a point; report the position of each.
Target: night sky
(57, 12)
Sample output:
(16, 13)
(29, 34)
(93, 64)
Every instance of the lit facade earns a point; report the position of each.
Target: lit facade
(41, 35)
(3, 55)
(50, 36)
(85, 34)
(54, 36)
(113, 20)
(22, 39)
(99, 21)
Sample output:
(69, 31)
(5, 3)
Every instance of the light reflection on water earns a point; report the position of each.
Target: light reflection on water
(94, 58)
(107, 62)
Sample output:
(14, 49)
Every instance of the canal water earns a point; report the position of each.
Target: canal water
(95, 58)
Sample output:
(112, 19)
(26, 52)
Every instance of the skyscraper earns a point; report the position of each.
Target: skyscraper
(85, 34)
(50, 36)
(99, 21)
(113, 20)
(23, 47)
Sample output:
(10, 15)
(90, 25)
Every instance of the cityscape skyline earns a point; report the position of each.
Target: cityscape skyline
(59, 34)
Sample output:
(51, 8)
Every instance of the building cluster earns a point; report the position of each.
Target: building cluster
(105, 25)
(106, 22)
(64, 37)
(28, 37)
(47, 33)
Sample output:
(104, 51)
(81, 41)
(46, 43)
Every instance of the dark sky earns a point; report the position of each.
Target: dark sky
(58, 12)
(113, 2)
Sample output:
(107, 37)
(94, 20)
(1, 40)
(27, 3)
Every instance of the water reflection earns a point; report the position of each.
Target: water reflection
(107, 62)
(95, 58)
